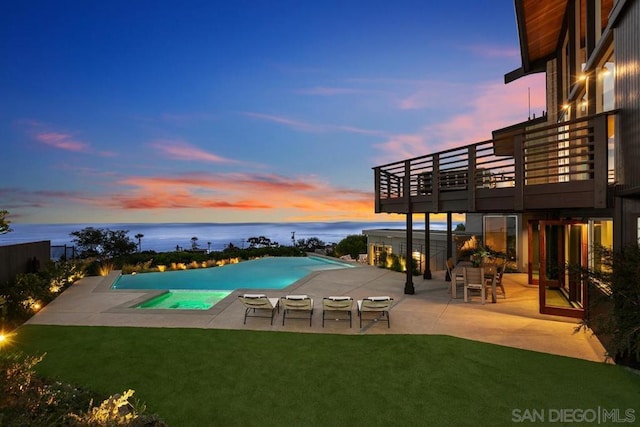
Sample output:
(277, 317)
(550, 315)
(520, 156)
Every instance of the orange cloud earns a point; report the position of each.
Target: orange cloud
(241, 192)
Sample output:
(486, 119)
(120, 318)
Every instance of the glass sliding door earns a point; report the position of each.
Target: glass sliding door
(559, 252)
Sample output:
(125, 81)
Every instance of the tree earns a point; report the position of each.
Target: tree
(353, 245)
(310, 244)
(194, 243)
(460, 227)
(103, 243)
(261, 242)
(117, 243)
(89, 241)
(139, 237)
(4, 223)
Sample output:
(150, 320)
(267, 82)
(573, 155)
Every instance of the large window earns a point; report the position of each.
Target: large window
(600, 235)
(605, 87)
(501, 234)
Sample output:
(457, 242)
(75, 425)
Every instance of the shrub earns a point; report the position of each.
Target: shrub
(31, 291)
(614, 306)
(396, 264)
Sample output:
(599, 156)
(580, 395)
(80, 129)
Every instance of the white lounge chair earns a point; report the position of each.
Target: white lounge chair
(378, 305)
(253, 302)
(300, 303)
(335, 305)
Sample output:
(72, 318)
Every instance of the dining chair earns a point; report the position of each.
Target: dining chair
(474, 280)
(498, 279)
(456, 275)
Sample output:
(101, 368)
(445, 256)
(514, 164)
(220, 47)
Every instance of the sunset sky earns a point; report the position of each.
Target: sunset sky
(241, 111)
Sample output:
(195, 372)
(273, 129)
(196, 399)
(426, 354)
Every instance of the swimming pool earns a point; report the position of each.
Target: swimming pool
(185, 300)
(263, 273)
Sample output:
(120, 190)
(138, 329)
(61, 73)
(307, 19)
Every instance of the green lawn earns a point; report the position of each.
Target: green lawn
(195, 377)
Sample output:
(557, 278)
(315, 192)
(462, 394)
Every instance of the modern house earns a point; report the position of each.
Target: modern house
(551, 188)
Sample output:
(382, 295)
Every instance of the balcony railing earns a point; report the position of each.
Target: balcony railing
(527, 170)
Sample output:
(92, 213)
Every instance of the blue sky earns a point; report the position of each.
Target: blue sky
(242, 111)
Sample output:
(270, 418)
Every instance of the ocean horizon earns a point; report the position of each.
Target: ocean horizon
(164, 237)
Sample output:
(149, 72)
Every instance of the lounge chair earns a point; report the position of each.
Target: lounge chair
(334, 305)
(301, 303)
(253, 302)
(378, 305)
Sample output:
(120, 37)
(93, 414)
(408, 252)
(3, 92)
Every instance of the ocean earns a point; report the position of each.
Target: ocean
(214, 236)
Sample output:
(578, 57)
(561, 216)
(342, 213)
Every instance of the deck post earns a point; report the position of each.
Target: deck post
(449, 236)
(427, 248)
(408, 286)
(471, 178)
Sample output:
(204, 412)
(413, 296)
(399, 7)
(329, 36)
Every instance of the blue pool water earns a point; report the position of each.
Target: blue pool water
(263, 273)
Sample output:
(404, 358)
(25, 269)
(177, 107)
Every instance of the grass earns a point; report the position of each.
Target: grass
(222, 377)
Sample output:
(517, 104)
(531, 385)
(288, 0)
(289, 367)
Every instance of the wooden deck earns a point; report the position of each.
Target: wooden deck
(533, 167)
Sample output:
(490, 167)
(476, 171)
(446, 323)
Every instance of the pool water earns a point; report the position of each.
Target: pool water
(263, 273)
(185, 300)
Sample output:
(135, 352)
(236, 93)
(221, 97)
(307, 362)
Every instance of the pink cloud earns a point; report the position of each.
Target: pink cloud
(62, 141)
(42, 133)
(489, 106)
(180, 150)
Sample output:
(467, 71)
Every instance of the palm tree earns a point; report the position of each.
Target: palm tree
(139, 237)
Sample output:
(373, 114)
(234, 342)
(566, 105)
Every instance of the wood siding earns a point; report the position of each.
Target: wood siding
(627, 84)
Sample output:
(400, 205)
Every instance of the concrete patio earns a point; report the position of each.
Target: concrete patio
(513, 321)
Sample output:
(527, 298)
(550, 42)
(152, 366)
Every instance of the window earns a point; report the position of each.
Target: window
(500, 234)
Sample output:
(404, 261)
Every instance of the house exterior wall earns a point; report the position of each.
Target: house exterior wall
(627, 86)
(396, 241)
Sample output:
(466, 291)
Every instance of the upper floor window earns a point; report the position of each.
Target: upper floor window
(606, 84)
